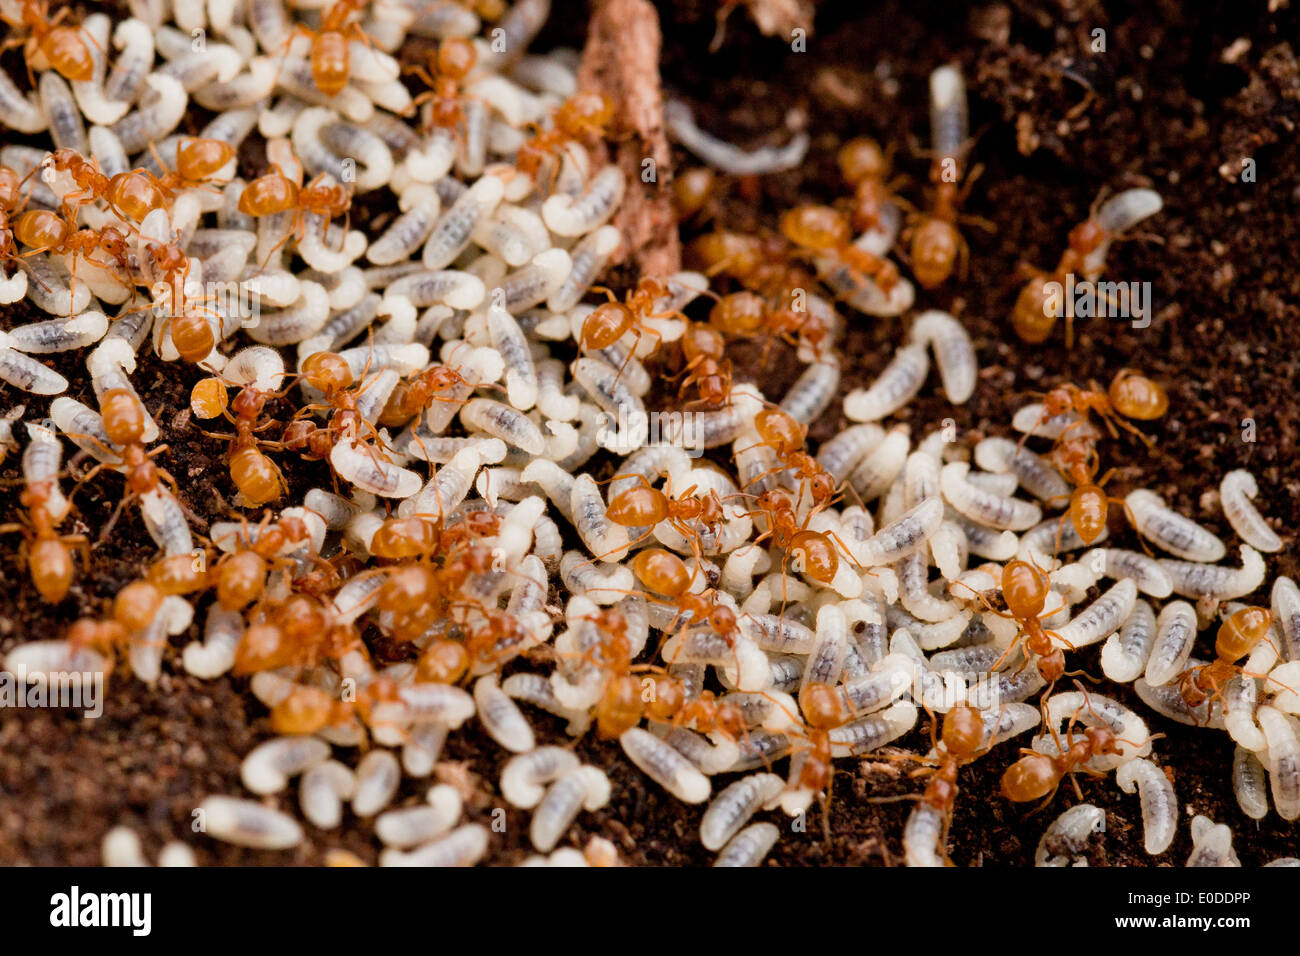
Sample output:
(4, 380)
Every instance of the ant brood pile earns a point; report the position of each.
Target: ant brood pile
(728, 600)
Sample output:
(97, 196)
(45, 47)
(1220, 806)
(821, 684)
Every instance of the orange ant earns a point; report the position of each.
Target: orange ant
(1130, 396)
(584, 115)
(1038, 775)
(963, 731)
(1076, 460)
(49, 557)
(645, 507)
(1237, 637)
(865, 167)
(410, 398)
(707, 370)
(125, 425)
(50, 45)
(240, 575)
(780, 432)
(330, 373)
(446, 70)
(1039, 303)
(275, 193)
(814, 552)
(258, 479)
(609, 322)
(1025, 589)
(331, 58)
(45, 231)
(823, 231)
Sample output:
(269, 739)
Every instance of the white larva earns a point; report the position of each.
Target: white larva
(569, 216)
(665, 766)
(604, 539)
(501, 421)
(994, 511)
(1195, 580)
(463, 846)
(901, 379)
(731, 809)
(1211, 844)
(954, 353)
(874, 730)
(1235, 492)
(322, 792)
(1124, 655)
(1175, 636)
(583, 788)
(1146, 572)
(1285, 603)
(878, 469)
(1102, 618)
(501, 717)
(1034, 473)
(269, 766)
(1159, 803)
(378, 775)
(249, 824)
(726, 157)
(411, 826)
(1169, 530)
(121, 847)
(1282, 759)
(521, 374)
(812, 392)
(901, 537)
(1066, 837)
(164, 519)
(841, 454)
(160, 111)
(1116, 215)
(1249, 784)
(365, 467)
(524, 777)
(748, 847)
(589, 257)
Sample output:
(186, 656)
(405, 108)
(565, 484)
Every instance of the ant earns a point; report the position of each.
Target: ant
(707, 369)
(1237, 637)
(814, 552)
(958, 745)
(865, 167)
(258, 479)
(609, 322)
(446, 70)
(583, 115)
(275, 193)
(1039, 303)
(49, 555)
(1025, 589)
(645, 507)
(1130, 396)
(331, 57)
(408, 399)
(823, 231)
(240, 575)
(1076, 460)
(780, 432)
(44, 231)
(48, 44)
(1038, 775)
(329, 373)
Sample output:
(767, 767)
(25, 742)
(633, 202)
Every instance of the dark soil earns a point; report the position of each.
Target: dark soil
(1179, 98)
